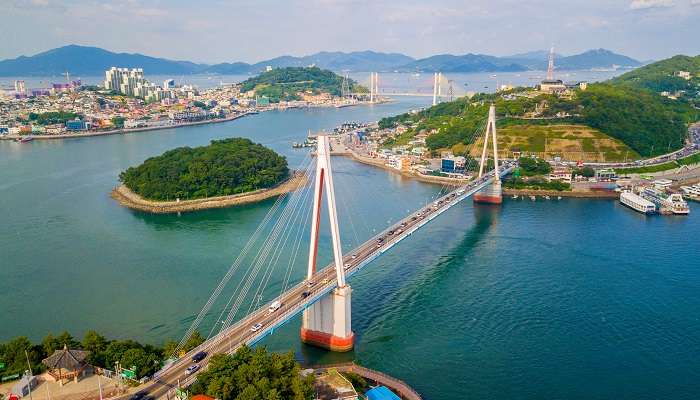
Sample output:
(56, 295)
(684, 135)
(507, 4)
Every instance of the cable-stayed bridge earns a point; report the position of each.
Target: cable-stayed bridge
(324, 297)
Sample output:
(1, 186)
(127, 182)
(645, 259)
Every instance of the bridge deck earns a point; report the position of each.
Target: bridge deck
(293, 303)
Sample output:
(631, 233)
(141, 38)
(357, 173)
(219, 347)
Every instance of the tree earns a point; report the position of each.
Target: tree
(13, 355)
(96, 344)
(225, 167)
(195, 340)
(52, 343)
(254, 374)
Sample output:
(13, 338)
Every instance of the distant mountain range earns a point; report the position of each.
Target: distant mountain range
(91, 61)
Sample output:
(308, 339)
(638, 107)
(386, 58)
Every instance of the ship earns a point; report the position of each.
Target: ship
(692, 192)
(637, 203)
(666, 203)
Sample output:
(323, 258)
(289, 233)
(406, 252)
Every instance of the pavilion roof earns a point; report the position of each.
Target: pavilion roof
(66, 358)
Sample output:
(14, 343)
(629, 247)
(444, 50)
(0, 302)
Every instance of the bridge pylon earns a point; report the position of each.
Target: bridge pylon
(327, 323)
(491, 194)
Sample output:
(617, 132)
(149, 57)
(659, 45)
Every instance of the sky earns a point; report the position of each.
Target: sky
(213, 31)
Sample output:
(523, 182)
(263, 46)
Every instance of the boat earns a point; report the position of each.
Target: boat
(558, 197)
(532, 198)
(691, 192)
(515, 196)
(637, 203)
(25, 139)
(666, 203)
(547, 197)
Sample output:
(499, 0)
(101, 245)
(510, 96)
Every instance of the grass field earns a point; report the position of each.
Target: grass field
(570, 142)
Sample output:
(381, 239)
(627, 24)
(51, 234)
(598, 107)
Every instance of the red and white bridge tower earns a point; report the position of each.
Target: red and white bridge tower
(491, 194)
(327, 323)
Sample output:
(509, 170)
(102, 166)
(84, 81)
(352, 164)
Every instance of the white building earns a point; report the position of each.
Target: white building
(20, 87)
(682, 74)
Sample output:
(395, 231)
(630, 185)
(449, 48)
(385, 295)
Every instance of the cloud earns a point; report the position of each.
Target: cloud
(695, 2)
(643, 4)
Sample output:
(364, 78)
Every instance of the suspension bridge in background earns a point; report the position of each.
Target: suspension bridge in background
(438, 87)
(324, 296)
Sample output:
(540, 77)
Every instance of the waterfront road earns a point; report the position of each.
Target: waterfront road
(301, 296)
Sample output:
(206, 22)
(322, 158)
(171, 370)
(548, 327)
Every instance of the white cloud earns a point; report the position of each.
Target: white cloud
(642, 4)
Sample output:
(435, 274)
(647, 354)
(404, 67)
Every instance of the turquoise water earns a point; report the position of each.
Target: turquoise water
(575, 299)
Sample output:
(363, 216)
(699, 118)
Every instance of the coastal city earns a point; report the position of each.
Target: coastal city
(419, 209)
(128, 102)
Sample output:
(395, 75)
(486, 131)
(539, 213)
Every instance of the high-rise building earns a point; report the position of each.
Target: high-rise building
(19, 87)
(125, 81)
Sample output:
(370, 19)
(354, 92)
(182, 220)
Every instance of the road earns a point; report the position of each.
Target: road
(305, 293)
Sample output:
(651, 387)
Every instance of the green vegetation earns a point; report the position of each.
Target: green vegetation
(52, 117)
(534, 166)
(285, 84)
(623, 109)
(659, 77)
(146, 359)
(254, 374)
(358, 382)
(118, 122)
(586, 172)
(536, 183)
(224, 167)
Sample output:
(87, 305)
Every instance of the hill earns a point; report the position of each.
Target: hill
(223, 168)
(571, 142)
(661, 77)
(92, 61)
(289, 83)
(82, 60)
(535, 60)
(647, 123)
(465, 63)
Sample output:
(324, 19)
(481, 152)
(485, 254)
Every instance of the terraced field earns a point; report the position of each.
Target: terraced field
(570, 142)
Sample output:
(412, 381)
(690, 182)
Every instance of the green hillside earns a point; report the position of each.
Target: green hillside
(641, 119)
(659, 76)
(284, 84)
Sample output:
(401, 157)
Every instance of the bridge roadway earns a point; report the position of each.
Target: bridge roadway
(292, 300)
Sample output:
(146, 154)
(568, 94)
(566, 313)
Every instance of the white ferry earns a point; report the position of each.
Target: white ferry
(692, 192)
(637, 203)
(667, 203)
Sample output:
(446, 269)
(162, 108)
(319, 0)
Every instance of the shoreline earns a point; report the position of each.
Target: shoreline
(127, 198)
(157, 128)
(419, 177)
(458, 182)
(128, 130)
(570, 193)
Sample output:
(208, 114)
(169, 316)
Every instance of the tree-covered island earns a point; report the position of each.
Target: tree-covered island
(224, 167)
(292, 83)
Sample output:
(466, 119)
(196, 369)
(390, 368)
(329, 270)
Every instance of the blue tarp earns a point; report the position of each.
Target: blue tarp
(381, 393)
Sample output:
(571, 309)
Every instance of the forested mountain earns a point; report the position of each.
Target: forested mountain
(92, 61)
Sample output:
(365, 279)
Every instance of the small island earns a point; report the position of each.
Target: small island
(225, 173)
(299, 83)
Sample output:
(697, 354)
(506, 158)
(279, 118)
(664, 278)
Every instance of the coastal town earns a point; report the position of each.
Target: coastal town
(128, 102)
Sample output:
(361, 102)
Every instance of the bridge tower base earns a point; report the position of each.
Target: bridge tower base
(491, 194)
(326, 324)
